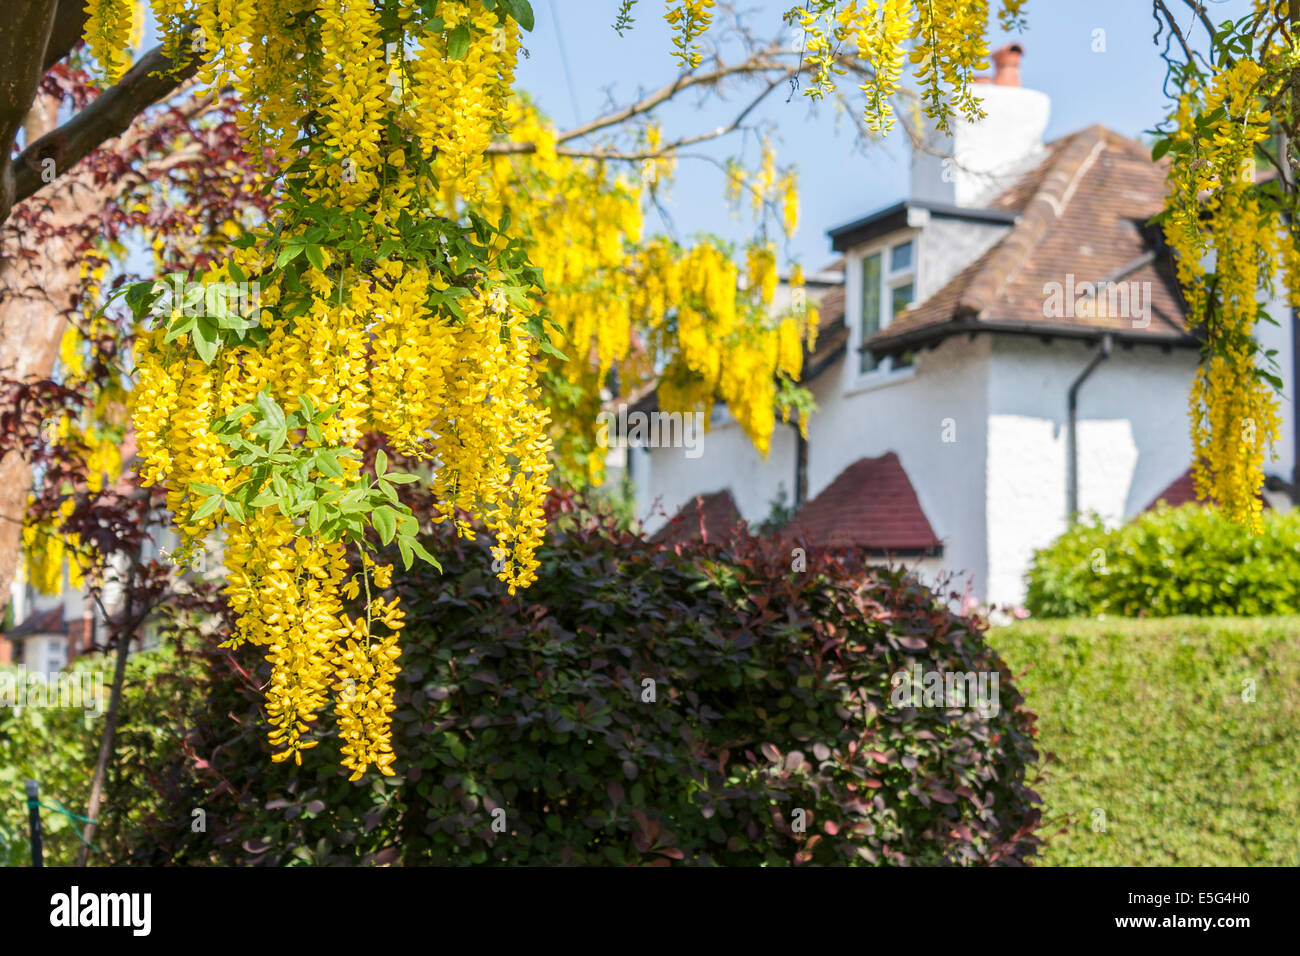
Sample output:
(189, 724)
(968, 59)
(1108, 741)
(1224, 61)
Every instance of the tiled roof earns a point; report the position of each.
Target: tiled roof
(711, 518)
(42, 622)
(871, 505)
(1082, 211)
(1182, 491)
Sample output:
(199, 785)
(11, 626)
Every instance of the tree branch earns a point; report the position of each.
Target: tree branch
(763, 62)
(23, 43)
(69, 26)
(153, 78)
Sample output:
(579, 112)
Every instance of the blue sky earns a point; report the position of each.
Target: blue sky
(1120, 88)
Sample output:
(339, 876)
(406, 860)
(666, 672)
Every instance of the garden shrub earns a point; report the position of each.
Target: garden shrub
(1177, 740)
(770, 705)
(1168, 561)
(57, 746)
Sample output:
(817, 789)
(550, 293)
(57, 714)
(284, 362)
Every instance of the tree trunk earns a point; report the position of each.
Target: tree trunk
(37, 286)
(106, 742)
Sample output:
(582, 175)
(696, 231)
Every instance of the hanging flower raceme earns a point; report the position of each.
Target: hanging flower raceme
(1228, 243)
(368, 304)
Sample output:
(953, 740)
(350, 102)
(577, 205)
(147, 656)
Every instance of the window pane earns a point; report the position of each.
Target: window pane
(900, 297)
(900, 257)
(870, 305)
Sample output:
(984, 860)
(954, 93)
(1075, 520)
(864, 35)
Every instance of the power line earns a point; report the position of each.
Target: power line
(564, 58)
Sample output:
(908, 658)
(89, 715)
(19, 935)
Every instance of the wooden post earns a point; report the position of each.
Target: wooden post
(34, 821)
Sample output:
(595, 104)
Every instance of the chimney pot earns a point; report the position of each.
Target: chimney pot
(1006, 65)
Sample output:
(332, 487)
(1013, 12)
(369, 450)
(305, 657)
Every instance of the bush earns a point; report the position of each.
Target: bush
(1169, 561)
(1152, 723)
(58, 746)
(771, 704)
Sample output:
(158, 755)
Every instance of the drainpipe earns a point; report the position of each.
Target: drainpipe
(1295, 408)
(800, 467)
(1072, 426)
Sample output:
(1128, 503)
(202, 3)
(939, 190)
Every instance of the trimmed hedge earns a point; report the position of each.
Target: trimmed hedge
(1150, 723)
(771, 706)
(1170, 561)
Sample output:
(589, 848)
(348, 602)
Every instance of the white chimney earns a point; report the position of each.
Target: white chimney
(980, 160)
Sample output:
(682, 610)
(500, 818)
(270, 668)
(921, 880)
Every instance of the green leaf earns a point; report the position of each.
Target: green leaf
(234, 509)
(328, 464)
(205, 340)
(424, 553)
(521, 11)
(315, 258)
(404, 546)
(550, 349)
(203, 488)
(271, 411)
(287, 255)
(211, 504)
(458, 42)
(385, 522)
(381, 462)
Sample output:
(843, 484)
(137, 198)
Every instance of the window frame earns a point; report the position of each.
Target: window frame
(887, 369)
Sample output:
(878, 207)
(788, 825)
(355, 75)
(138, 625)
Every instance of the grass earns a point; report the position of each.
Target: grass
(1148, 723)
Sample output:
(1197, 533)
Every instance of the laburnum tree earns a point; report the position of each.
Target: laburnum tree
(1233, 142)
(437, 287)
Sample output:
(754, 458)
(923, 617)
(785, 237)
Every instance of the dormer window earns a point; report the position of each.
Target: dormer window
(888, 287)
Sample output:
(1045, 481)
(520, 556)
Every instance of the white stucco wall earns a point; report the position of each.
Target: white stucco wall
(946, 397)
(1133, 441)
(1280, 337)
(665, 478)
(949, 245)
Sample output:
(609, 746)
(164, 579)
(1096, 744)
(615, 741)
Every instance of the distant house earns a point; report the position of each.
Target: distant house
(52, 630)
(1016, 274)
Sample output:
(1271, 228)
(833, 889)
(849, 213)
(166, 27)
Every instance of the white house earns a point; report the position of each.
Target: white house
(1015, 273)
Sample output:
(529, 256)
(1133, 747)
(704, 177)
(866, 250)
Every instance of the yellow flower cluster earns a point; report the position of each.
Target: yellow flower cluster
(647, 308)
(1215, 209)
(45, 550)
(458, 103)
(112, 26)
(439, 359)
(946, 43)
(881, 33)
(688, 19)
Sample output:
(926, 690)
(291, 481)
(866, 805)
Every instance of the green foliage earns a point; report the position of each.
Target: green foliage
(1147, 723)
(299, 481)
(1169, 561)
(771, 694)
(780, 512)
(57, 747)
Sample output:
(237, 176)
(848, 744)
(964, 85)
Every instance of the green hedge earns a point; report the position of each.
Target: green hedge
(1147, 723)
(772, 695)
(1169, 561)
